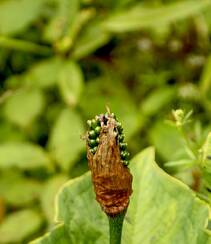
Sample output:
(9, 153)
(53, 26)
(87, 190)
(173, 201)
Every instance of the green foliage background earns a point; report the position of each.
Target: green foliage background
(62, 62)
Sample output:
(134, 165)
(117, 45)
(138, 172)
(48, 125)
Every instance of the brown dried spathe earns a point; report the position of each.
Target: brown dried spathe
(112, 180)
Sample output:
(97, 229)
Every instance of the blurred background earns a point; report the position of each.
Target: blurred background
(63, 61)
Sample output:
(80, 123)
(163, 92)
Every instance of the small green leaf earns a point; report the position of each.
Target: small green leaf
(65, 140)
(48, 195)
(22, 155)
(140, 17)
(156, 100)
(16, 15)
(71, 82)
(86, 44)
(24, 106)
(179, 165)
(19, 225)
(44, 74)
(168, 141)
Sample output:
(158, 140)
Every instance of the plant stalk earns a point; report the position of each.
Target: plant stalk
(115, 228)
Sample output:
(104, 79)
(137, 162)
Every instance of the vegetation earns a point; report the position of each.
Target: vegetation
(61, 63)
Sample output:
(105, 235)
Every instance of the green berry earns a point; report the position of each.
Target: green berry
(93, 124)
(113, 116)
(123, 145)
(89, 123)
(121, 138)
(92, 134)
(98, 140)
(119, 127)
(93, 150)
(97, 130)
(92, 143)
(125, 162)
(124, 155)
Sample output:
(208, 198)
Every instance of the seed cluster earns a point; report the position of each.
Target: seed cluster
(122, 144)
(94, 132)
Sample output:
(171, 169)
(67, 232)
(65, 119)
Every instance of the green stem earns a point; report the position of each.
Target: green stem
(25, 46)
(115, 228)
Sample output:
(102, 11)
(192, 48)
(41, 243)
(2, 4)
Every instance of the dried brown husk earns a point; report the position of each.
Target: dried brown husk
(112, 180)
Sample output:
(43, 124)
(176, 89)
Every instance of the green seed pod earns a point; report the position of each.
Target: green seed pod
(121, 138)
(92, 134)
(119, 127)
(93, 124)
(124, 155)
(125, 162)
(97, 130)
(89, 123)
(93, 150)
(123, 145)
(92, 143)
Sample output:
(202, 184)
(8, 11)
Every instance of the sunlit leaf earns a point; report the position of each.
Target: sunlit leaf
(22, 155)
(16, 15)
(140, 17)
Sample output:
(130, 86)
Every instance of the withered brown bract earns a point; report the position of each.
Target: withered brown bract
(112, 180)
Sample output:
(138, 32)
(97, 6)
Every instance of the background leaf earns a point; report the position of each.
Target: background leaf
(142, 17)
(16, 15)
(71, 82)
(65, 142)
(23, 107)
(22, 155)
(20, 225)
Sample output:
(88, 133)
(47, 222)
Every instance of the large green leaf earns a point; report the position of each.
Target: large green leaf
(65, 140)
(24, 106)
(144, 17)
(71, 82)
(58, 235)
(22, 155)
(19, 225)
(162, 210)
(16, 15)
(77, 208)
(49, 192)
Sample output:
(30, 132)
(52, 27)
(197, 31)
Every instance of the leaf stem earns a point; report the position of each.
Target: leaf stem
(115, 228)
(26, 46)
